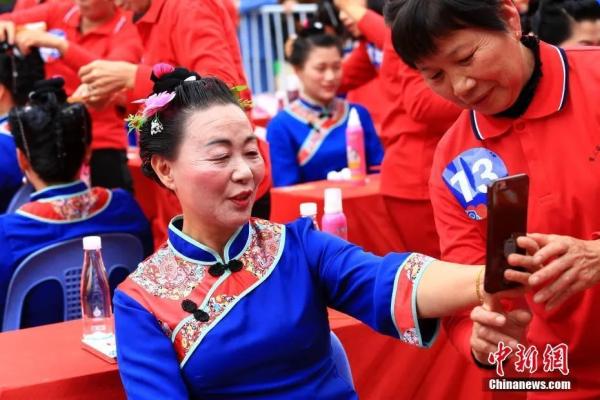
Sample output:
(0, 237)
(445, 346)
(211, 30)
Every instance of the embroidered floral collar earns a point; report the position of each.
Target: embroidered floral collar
(192, 250)
(55, 192)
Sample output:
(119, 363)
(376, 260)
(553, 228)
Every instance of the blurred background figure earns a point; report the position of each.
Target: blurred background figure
(76, 33)
(307, 139)
(52, 138)
(360, 77)
(567, 22)
(17, 76)
(197, 35)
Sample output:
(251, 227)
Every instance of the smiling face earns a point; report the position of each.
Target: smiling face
(480, 69)
(216, 172)
(321, 74)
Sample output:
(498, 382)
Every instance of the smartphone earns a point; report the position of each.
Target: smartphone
(507, 220)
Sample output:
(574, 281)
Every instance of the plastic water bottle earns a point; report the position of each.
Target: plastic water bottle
(355, 148)
(309, 210)
(334, 220)
(95, 292)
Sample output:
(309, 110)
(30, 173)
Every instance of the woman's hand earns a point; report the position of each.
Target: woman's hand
(7, 32)
(28, 38)
(569, 266)
(105, 78)
(491, 325)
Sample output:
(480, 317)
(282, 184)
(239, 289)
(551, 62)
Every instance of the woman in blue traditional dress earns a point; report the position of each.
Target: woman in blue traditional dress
(52, 138)
(307, 139)
(233, 307)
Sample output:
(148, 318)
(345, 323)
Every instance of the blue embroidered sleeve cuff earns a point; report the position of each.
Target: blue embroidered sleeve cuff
(412, 329)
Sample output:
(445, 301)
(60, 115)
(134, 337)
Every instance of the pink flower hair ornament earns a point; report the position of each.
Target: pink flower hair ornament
(158, 101)
(151, 106)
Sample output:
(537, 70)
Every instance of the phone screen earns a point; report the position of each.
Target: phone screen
(507, 220)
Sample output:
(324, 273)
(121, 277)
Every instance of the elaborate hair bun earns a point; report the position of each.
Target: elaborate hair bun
(45, 89)
(167, 81)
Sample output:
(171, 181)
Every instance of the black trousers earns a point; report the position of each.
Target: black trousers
(108, 168)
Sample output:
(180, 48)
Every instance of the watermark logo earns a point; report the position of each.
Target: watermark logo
(526, 361)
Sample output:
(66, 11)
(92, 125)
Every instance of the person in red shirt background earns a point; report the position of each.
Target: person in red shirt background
(360, 71)
(80, 32)
(529, 109)
(199, 36)
(414, 121)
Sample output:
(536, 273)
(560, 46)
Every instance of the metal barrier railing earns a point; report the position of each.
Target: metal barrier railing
(262, 34)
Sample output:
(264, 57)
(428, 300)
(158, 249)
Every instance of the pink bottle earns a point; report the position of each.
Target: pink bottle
(355, 148)
(334, 220)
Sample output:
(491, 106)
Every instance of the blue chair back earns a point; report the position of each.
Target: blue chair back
(20, 198)
(62, 262)
(340, 359)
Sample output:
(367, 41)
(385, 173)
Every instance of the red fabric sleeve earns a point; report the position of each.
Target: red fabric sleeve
(125, 45)
(372, 25)
(143, 84)
(203, 48)
(420, 102)
(37, 13)
(461, 241)
(357, 69)
(596, 235)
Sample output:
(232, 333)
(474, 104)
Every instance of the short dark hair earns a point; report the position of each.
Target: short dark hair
(52, 133)
(416, 24)
(18, 73)
(553, 20)
(190, 96)
(312, 36)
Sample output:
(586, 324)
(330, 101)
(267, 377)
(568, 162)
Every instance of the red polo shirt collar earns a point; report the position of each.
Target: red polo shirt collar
(153, 14)
(550, 96)
(73, 19)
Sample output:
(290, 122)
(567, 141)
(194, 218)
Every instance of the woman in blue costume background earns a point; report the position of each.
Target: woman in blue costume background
(307, 139)
(17, 76)
(234, 307)
(52, 139)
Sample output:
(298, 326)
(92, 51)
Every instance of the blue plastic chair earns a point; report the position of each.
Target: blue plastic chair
(62, 262)
(20, 197)
(340, 359)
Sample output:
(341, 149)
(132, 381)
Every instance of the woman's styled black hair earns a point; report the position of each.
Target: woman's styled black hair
(312, 36)
(553, 20)
(18, 73)
(192, 93)
(51, 133)
(417, 24)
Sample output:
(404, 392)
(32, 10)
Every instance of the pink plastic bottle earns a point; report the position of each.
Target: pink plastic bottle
(355, 148)
(334, 220)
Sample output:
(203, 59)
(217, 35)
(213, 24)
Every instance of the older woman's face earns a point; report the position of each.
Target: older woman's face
(480, 69)
(218, 168)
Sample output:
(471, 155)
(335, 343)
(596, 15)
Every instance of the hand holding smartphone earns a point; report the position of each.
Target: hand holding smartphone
(507, 220)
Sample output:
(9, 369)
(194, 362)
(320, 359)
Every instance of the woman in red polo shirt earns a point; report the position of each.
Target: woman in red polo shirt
(76, 34)
(199, 36)
(529, 108)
